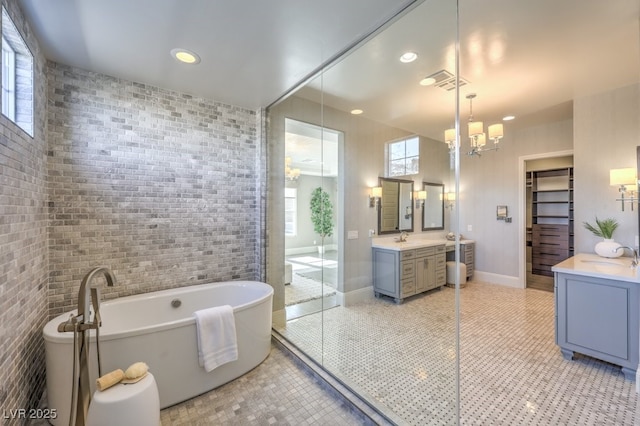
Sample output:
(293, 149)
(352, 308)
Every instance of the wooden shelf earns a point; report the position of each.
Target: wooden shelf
(551, 217)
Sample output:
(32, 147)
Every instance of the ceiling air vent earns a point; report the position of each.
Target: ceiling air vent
(445, 80)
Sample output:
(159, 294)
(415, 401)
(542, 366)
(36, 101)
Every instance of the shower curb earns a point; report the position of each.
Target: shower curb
(356, 405)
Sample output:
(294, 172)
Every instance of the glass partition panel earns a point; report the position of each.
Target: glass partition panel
(304, 218)
(392, 332)
(389, 336)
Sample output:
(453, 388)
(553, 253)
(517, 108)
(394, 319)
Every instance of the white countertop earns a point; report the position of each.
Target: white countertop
(592, 265)
(389, 243)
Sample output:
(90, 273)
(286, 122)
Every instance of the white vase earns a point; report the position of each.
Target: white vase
(607, 248)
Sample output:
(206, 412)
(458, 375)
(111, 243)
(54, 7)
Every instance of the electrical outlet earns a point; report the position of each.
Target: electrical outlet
(372, 232)
(469, 228)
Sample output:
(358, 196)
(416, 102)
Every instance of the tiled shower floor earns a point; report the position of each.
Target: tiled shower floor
(512, 373)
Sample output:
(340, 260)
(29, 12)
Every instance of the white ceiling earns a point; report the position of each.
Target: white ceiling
(527, 58)
(252, 51)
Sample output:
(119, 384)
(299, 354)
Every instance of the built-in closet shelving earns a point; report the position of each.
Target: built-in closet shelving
(551, 233)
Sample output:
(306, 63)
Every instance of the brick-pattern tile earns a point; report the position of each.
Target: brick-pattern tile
(160, 186)
(23, 245)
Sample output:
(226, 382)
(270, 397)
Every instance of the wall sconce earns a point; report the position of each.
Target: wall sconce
(420, 196)
(450, 139)
(450, 198)
(375, 196)
(622, 178)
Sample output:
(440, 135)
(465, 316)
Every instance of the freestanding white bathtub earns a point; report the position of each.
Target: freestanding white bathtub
(148, 328)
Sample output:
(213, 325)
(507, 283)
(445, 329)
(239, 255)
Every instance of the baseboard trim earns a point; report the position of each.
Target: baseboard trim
(309, 249)
(505, 280)
(356, 296)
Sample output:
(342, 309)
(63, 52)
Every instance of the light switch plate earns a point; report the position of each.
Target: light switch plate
(352, 235)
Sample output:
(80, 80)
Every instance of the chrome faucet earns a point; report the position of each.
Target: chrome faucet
(634, 262)
(403, 237)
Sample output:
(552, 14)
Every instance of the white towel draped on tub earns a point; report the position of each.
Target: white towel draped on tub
(216, 329)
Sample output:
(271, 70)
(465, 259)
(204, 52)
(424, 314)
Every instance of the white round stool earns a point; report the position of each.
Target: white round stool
(126, 404)
(451, 274)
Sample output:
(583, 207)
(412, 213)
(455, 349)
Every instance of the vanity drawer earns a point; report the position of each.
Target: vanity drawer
(441, 262)
(408, 287)
(407, 254)
(441, 278)
(441, 249)
(408, 270)
(426, 251)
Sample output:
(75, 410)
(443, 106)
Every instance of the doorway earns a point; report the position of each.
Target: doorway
(549, 217)
(312, 198)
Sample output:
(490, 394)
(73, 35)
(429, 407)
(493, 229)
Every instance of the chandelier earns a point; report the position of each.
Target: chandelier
(477, 136)
(289, 173)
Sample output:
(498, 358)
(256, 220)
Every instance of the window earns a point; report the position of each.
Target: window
(8, 80)
(290, 212)
(17, 76)
(403, 157)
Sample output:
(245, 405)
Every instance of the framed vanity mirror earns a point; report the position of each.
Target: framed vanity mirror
(395, 212)
(433, 210)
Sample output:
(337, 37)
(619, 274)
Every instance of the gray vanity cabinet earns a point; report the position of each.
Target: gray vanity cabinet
(599, 318)
(401, 274)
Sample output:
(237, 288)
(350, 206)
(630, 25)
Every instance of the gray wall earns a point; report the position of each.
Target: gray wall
(492, 180)
(306, 235)
(160, 186)
(363, 158)
(607, 132)
(603, 135)
(23, 244)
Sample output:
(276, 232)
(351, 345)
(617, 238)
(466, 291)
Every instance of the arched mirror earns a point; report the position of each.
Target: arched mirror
(433, 207)
(395, 213)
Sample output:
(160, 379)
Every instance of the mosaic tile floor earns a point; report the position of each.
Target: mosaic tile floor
(512, 373)
(276, 392)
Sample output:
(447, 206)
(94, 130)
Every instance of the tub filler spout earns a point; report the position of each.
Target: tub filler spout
(79, 325)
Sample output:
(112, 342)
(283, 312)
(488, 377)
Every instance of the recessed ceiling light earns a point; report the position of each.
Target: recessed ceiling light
(408, 57)
(356, 111)
(427, 81)
(185, 56)
(508, 117)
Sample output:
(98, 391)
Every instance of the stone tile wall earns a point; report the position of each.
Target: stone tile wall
(160, 186)
(23, 246)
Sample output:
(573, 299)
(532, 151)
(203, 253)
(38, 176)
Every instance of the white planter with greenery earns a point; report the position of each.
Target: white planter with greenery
(605, 229)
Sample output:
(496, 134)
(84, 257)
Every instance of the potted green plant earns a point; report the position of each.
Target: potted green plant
(321, 215)
(605, 228)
